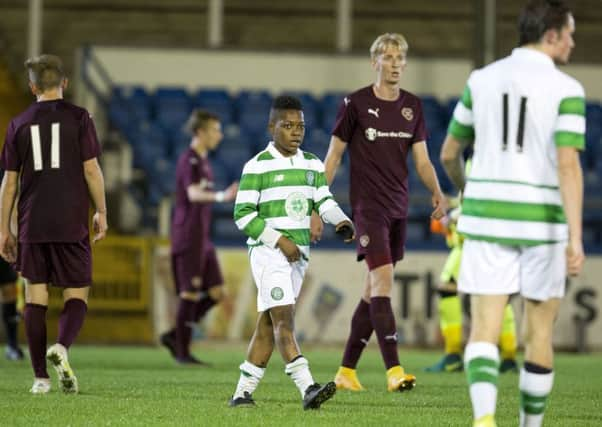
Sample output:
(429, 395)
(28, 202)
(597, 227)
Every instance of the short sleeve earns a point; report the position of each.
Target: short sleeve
(10, 159)
(570, 125)
(90, 148)
(344, 126)
(461, 126)
(420, 132)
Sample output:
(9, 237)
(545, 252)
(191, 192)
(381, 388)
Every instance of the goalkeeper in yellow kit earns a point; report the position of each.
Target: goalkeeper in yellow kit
(450, 309)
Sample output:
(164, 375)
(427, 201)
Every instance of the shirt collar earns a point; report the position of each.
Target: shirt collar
(532, 55)
(278, 155)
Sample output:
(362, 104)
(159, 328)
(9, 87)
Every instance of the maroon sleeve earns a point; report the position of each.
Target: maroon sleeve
(344, 125)
(420, 133)
(188, 172)
(9, 160)
(90, 147)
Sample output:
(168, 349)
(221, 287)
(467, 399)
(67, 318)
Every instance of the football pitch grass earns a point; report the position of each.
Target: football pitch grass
(142, 386)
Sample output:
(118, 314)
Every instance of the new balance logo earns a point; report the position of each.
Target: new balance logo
(279, 178)
(373, 112)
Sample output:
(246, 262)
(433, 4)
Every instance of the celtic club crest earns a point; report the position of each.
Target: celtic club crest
(277, 293)
(296, 206)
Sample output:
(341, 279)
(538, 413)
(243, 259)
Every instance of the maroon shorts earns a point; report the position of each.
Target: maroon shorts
(193, 273)
(66, 265)
(380, 240)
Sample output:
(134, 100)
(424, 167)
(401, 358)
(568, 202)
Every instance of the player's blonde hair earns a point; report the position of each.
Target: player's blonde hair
(388, 39)
(45, 71)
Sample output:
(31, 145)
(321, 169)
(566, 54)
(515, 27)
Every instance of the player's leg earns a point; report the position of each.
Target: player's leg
(383, 321)
(10, 318)
(489, 272)
(71, 321)
(188, 283)
(297, 366)
(361, 330)
(36, 305)
(508, 342)
(71, 269)
(33, 264)
(537, 376)
(544, 287)
(213, 290)
(253, 368)
(481, 355)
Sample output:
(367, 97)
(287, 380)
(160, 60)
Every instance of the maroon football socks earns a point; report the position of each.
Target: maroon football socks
(383, 322)
(35, 329)
(203, 306)
(71, 321)
(184, 321)
(361, 329)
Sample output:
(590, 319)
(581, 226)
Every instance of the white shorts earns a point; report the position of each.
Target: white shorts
(278, 281)
(536, 272)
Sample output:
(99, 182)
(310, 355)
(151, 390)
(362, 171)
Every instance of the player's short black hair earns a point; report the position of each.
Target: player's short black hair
(199, 119)
(45, 71)
(539, 16)
(283, 103)
(287, 102)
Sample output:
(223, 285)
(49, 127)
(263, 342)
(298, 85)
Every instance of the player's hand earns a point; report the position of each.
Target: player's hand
(8, 247)
(315, 228)
(439, 202)
(289, 249)
(230, 192)
(345, 231)
(99, 223)
(575, 257)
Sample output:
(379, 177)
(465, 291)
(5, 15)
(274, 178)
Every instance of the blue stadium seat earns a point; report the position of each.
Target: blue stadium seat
(149, 142)
(234, 157)
(253, 108)
(330, 104)
(434, 113)
(172, 107)
(218, 101)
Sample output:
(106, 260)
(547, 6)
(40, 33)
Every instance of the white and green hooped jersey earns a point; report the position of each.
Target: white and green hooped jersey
(517, 110)
(281, 192)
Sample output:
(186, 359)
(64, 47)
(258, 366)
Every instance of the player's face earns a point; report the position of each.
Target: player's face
(390, 64)
(212, 134)
(288, 131)
(564, 42)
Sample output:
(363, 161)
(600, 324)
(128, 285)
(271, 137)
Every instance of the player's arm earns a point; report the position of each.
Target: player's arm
(332, 161)
(330, 211)
(570, 177)
(427, 175)
(452, 160)
(336, 149)
(198, 193)
(96, 188)
(8, 193)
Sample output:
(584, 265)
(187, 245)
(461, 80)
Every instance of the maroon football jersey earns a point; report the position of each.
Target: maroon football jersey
(191, 222)
(48, 144)
(379, 134)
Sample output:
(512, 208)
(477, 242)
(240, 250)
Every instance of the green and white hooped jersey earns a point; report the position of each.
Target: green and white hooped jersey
(517, 111)
(281, 192)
